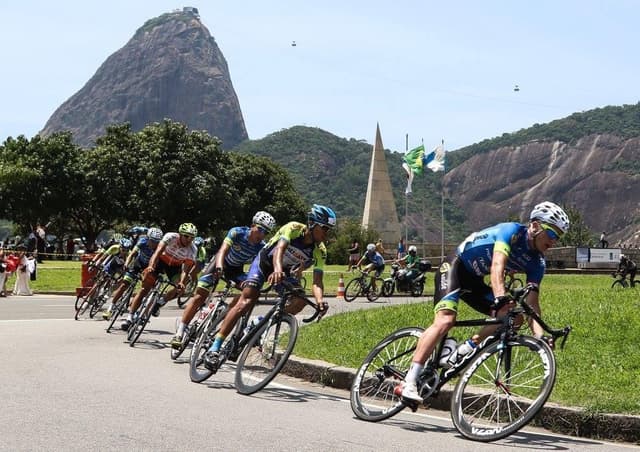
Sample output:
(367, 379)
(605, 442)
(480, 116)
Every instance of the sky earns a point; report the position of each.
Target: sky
(425, 71)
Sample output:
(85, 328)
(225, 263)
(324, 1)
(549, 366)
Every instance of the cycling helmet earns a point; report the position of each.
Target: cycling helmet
(413, 249)
(188, 229)
(155, 234)
(371, 247)
(550, 213)
(322, 215)
(265, 220)
(126, 243)
(198, 241)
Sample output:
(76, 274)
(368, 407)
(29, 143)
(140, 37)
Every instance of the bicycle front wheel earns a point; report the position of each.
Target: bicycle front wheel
(144, 313)
(503, 389)
(352, 290)
(266, 353)
(373, 392)
(619, 284)
(197, 370)
(374, 292)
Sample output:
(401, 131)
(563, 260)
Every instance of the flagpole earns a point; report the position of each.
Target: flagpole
(442, 209)
(406, 198)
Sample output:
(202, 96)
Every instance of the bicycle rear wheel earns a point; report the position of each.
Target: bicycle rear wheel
(266, 353)
(373, 396)
(144, 313)
(503, 389)
(374, 293)
(120, 307)
(352, 291)
(619, 284)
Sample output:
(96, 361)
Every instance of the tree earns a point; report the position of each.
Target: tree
(578, 234)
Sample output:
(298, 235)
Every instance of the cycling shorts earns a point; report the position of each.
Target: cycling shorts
(208, 282)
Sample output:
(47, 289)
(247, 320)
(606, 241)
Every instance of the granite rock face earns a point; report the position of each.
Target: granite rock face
(171, 68)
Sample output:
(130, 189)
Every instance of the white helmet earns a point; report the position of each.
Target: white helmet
(550, 213)
(265, 220)
(413, 248)
(155, 234)
(371, 247)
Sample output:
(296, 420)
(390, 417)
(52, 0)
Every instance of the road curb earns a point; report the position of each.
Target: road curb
(569, 421)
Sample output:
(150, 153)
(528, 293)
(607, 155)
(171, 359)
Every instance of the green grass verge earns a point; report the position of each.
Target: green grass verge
(598, 369)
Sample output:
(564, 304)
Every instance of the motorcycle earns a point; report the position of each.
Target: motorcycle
(398, 281)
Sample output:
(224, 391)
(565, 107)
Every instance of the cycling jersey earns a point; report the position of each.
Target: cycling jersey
(374, 258)
(296, 255)
(241, 250)
(115, 258)
(175, 254)
(510, 239)
(144, 251)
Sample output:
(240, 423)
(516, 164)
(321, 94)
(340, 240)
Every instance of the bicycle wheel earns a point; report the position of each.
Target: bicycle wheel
(144, 313)
(186, 295)
(373, 396)
(83, 303)
(121, 306)
(374, 293)
(352, 291)
(516, 283)
(619, 284)
(266, 353)
(194, 330)
(197, 371)
(503, 389)
(417, 288)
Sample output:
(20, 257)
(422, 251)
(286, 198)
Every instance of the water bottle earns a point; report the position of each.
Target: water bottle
(448, 347)
(463, 350)
(253, 323)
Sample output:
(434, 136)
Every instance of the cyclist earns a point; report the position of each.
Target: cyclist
(241, 244)
(627, 266)
(174, 256)
(506, 246)
(410, 265)
(111, 260)
(137, 260)
(372, 260)
(295, 245)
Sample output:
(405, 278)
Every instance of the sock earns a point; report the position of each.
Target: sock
(414, 372)
(181, 327)
(110, 307)
(130, 317)
(217, 343)
(162, 301)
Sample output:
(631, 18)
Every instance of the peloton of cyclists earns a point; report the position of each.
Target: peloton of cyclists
(241, 245)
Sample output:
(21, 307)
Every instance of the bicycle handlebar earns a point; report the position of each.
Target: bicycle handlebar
(289, 288)
(520, 296)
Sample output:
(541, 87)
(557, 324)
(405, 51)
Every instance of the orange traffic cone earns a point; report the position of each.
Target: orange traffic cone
(340, 293)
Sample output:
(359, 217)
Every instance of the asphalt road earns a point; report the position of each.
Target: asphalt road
(67, 385)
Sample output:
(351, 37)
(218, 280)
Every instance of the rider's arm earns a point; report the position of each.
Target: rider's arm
(153, 262)
(533, 301)
(222, 254)
(131, 256)
(278, 255)
(498, 265)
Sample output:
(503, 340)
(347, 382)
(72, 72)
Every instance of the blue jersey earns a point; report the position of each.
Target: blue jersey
(476, 251)
(144, 251)
(374, 258)
(240, 249)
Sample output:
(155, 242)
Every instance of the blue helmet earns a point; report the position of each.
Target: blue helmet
(198, 241)
(322, 215)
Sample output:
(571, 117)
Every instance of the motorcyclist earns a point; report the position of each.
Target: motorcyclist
(410, 267)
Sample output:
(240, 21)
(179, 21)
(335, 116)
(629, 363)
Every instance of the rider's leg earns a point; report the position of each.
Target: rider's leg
(247, 298)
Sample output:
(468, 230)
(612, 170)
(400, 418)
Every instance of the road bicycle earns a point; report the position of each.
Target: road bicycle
(143, 314)
(93, 298)
(120, 307)
(503, 383)
(211, 308)
(620, 281)
(261, 348)
(363, 285)
(184, 297)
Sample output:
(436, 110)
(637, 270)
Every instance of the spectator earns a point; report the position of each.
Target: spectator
(354, 254)
(380, 247)
(41, 242)
(603, 240)
(3, 274)
(21, 286)
(402, 250)
(69, 248)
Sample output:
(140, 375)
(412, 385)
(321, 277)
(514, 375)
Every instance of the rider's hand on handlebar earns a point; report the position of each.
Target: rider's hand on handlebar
(276, 278)
(550, 341)
(324, 308)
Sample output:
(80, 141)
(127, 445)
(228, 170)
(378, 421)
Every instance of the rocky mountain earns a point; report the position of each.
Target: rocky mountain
(596, 174)
(171, 68)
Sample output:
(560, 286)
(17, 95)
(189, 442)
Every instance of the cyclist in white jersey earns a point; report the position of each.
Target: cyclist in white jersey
(174, 256)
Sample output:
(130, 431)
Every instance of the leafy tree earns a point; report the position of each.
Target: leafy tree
(348, 230)
(578, 234)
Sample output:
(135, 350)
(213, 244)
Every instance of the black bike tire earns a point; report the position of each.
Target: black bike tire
(384, 390)
(241, 382)
(619, 282)
(102, 294)
(80, 310)
(195, 330)
(202, 343)
(352, 291)
(520, 351)
(121, 306)
(145, 311)
(373, 295)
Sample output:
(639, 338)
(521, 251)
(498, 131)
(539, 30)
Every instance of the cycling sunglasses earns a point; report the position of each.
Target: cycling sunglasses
(263, 230)
(553, 235)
